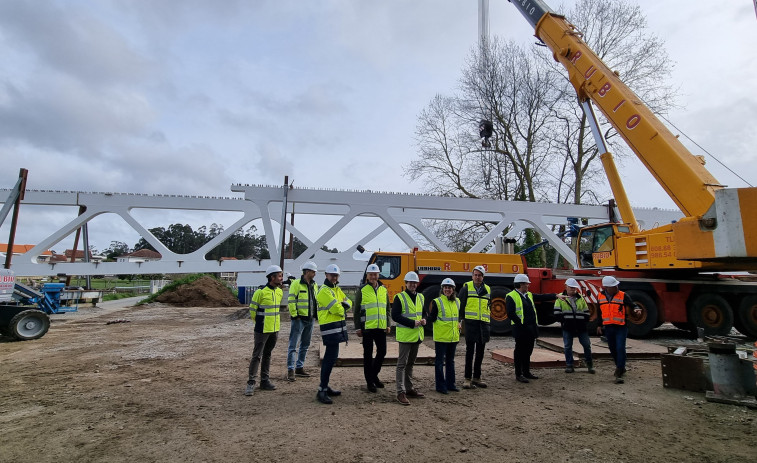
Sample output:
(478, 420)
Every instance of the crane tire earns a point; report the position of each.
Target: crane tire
(641, 325)
(713, 313)
(499, 324)
(746, 317)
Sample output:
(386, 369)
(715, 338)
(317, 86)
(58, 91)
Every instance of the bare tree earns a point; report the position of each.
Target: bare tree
(542, 147)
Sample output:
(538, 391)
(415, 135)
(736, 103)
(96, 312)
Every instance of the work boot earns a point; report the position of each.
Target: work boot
(478, 382)
(402, 398)
(467, 384)
(590, 366)
(250, 390)
(290, 375)
(415, 394)
(324, 398)
(378, 383)
(569, 369)
(301, 373)
(333, 392)
(267, 386)
(619, 380)
(618, 376)
(521, 379)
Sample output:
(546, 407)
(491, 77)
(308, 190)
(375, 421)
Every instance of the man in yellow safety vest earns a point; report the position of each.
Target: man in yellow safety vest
(372, 325)
(264, 309)
(407, 313)
(521, 310)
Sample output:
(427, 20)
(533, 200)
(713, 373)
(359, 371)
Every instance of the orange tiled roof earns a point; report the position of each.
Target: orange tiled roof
(21, 248)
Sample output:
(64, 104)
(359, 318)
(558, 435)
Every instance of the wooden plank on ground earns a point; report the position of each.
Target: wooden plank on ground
(541, 358)
(635, 348)
(351, 355)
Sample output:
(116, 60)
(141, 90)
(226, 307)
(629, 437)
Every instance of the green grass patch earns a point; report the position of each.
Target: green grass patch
(117, 296)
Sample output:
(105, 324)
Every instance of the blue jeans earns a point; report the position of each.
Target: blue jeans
(445, 357)
(299, 332)
(329, 360)
(583, 338)
(616, 340)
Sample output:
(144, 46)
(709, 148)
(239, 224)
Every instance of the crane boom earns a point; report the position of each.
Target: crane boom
(719, 224)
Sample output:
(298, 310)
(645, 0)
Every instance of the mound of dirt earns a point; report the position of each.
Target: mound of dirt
(203, 292)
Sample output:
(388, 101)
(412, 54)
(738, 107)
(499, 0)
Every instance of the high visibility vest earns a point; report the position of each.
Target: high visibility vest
(299, 297)
(331, 314)
(445, 325)
(564, 308)
(477, 307)
(515, 296)
(613, 310)
(373, 306)
(413, 311)
(264, 308)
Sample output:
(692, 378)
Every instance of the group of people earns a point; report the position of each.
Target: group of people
(449, 313)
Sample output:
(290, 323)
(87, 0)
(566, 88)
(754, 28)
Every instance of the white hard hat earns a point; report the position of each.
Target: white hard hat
(610, 281)
(448, 282)
(481, 269)
(372, 268)
(333, 268)
(310, 265)
(521, 278)
(272, 269)
(572, 283)
(412, 276)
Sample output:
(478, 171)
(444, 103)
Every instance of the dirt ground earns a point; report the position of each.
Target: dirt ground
(168, 386)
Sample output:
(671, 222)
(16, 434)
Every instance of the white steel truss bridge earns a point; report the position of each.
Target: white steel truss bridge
(407, 216)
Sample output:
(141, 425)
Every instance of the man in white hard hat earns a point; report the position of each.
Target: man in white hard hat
(408, 313)
(573, 314)
(521, 310)
(475, 298)
(264, 309)
(614, 305)
(332, 305)
(372, 325)
(302, 310)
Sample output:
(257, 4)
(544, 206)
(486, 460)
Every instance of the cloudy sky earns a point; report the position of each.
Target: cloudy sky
(191, 96)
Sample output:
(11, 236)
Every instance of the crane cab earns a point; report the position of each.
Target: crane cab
(597, 245)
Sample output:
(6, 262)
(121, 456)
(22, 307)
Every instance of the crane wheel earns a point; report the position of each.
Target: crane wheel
(713, 313)
(29, 324)
(746, 317)
(499, 323)
(641, 325)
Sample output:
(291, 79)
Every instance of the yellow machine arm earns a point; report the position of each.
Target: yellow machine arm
(720, 223)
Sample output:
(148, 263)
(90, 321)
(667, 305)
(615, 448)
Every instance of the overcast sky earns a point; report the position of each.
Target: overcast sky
(191, 96)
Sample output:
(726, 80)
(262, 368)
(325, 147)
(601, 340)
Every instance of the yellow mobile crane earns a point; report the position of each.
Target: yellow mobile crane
(669, 271)
(719, 230)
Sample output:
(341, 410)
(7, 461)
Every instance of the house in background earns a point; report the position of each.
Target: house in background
(19, 249)
(143, 255)
(79, 257)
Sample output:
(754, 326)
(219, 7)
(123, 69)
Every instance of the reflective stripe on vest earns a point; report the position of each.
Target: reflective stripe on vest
(265, 307)
(515, 296)
(330, 320)
(413, 311)
(613, 311)
(477, 307)
(566, 310)
(299, 298)
(445, 325)
(373, 307)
